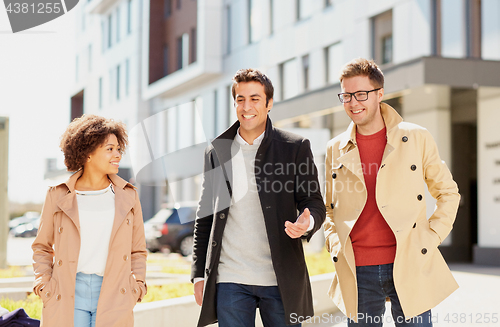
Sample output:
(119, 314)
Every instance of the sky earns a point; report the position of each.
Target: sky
(35, 79)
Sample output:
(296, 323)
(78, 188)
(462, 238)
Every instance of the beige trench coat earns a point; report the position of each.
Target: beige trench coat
(57, 246)
(421, 276)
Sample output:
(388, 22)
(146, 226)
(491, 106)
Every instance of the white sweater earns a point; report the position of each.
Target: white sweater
(245, 255)
(96, 210)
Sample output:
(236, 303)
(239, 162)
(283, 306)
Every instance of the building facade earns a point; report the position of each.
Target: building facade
(441, 60)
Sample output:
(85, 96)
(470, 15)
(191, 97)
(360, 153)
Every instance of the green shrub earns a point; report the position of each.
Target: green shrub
(32, 305)
(14, 271)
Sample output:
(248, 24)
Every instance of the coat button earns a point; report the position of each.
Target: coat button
(414, 225)
(424, 251)
(419, 197)
(59, 263)
(128, 221)
(334, 175)
(60, 230)
(214, 244)
(134, 291)
(48, 294)
(222, 215)
(123, 290)
(207, 271)
(413, 167)
(58, 297)
(335, 259)
(331, 205)
(405, 139)
(125, 257)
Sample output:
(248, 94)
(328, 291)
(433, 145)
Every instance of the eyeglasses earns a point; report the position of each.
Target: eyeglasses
(359, 96)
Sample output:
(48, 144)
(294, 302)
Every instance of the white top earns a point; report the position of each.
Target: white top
(245, 253)
(96, 210)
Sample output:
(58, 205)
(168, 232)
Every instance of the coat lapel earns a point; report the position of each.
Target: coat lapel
(124, 202)
(68, 203)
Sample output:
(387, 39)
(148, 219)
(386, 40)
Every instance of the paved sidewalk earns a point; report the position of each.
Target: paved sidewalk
(475, 303)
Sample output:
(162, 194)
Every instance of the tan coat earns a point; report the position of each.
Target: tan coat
(57, 246)
(421, 276)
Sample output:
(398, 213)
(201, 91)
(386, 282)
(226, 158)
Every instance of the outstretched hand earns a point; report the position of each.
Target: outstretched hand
(299, 228)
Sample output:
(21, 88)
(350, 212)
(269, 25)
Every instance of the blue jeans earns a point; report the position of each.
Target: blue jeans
(375, 284)
(236, 305)
(87, 291)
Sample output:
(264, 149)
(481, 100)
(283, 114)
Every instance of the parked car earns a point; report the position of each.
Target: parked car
(28, 217)
(171, 228)
(26, 230)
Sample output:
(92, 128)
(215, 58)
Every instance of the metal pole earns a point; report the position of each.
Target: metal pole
(4, 197)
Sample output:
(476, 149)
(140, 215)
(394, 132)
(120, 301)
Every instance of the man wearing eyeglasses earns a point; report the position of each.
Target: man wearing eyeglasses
(382, 244)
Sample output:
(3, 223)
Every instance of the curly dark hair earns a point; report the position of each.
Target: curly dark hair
(253, 75)
(85, 134)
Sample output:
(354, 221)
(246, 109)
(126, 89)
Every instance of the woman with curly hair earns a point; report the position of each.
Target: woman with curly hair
(90, 252)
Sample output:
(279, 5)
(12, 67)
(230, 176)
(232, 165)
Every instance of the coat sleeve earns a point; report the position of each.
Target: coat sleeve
(307, 192)
(43, 252)
(331, 236)
(204, 219)
(441, 186)
(139, 253)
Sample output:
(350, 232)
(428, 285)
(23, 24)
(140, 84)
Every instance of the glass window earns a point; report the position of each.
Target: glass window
(271, 16)
(304, 9)
(255, 19)
(129, 16)
(452, 29)
(192, 57)
(334, 62)
(167, 8)
(90, 57)
(100, 92)
(387, 49)
(165, 60)
(382, 45)
(117, 24)
(305, 71)
(110, 30)
(490, 29)
(103, 36)
(228, 29)
(127, 77)
(179, 53)
(289, 79)
(118, 82)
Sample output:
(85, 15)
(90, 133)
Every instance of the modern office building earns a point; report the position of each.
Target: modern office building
(441, 60)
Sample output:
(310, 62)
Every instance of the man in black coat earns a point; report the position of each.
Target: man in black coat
(260, 198)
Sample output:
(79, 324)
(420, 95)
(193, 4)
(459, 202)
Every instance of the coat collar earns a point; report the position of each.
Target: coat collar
(123, 201)
(222, 144)
(391, 120)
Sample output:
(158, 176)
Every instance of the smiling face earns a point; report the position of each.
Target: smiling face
(365, 114)
(106, 158)
(251, 109)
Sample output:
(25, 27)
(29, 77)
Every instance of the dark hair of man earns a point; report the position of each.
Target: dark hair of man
(363, 67)
(253, 75)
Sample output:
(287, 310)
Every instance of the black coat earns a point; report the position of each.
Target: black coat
(287, 182)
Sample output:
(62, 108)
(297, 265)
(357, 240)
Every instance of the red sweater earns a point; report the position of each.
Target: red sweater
(372, 239)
